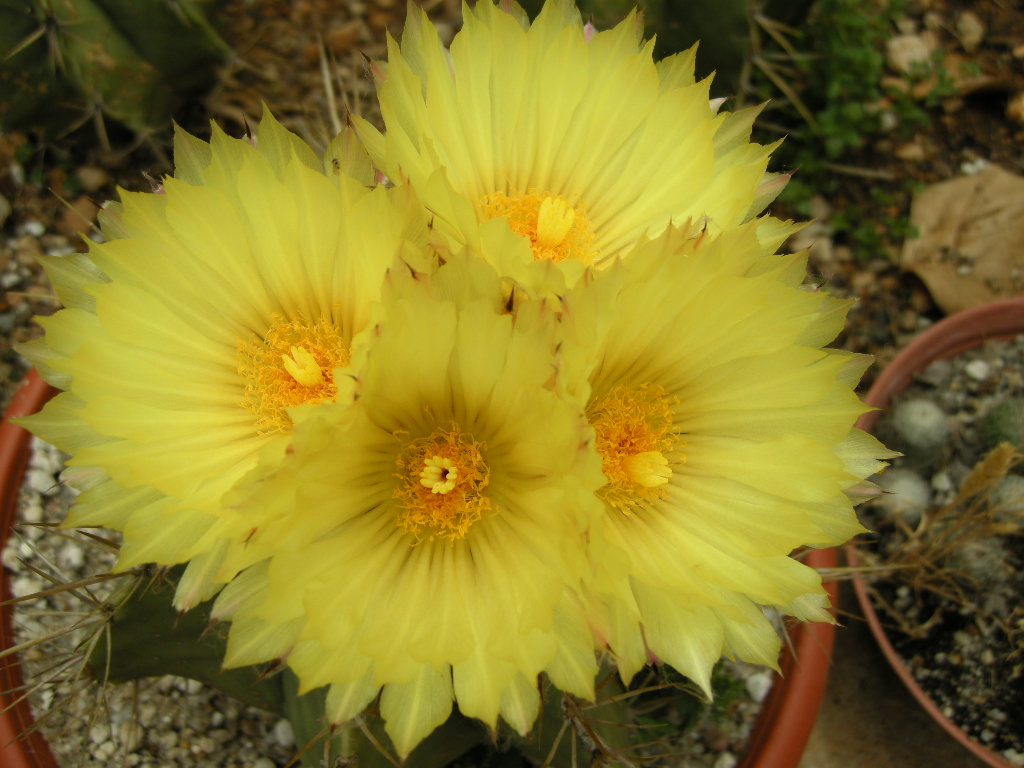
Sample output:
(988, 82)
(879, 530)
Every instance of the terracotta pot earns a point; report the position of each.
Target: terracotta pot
(949, 337)
(16, 717)
(788, 714)
(777, 741)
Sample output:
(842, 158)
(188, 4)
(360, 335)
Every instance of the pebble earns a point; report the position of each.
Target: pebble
(907, 53)
(283, 733)
(131, 735)
(263, 762)
(978, 369)
(71, 556)
(726, 760)
(759, 684)
(104, 751)
(41, 481)
(970, 30)
(942, 482)
(99, 733)
(32, 228)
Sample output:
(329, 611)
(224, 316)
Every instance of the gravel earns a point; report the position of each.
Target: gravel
(154, 723)
(963, 646)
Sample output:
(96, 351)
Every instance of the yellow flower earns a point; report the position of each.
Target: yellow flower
(212, 311)
(426, 533)
(581, 145)
(726, 435)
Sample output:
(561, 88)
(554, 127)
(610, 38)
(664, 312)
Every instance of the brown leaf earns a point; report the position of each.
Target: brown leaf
(970, 248)
(989, 471)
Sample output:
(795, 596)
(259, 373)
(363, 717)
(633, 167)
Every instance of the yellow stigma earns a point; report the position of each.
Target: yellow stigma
(649, 469)
(291, 364)
(634, 435)
(303, 367)
(439, 474)
(556, 230)
(441, 482)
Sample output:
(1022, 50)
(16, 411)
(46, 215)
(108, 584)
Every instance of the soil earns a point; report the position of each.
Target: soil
(954, 614)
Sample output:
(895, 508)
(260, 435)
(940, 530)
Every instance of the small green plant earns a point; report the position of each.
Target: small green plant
(835, 101)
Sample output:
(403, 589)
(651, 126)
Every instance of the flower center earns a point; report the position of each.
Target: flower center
(633, 429)
(291, 365)
(441, 480)
(556, 230)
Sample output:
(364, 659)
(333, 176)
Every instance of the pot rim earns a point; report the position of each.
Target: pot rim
(997, 320)
(777, 740)
(790, 710)
(21, 746)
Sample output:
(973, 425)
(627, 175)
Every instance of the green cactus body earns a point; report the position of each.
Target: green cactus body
(1004, 423)
(132, 60)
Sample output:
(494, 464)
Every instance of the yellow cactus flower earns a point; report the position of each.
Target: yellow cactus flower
(726, 436)
(443, 507)
(211, 311)
(579, 141)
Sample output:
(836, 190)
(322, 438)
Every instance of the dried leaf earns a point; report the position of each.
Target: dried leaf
(970, 248)
(989, 471)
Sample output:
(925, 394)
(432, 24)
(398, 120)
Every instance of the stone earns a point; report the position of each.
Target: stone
(970, 30)
(908, 53)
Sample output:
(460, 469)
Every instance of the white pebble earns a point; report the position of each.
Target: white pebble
(1015, 757)
(41, 481)
(283, 733)
(130, 733)
(262, 762)
(44, 456)
(758, 685)
(99, 733)
(942, 482)
(147, 714)
(33, 228)
(104, 751)
(25, 585)
(71, 555)
(726, 760)
(167, 738)
(32, 512)
(978, 370)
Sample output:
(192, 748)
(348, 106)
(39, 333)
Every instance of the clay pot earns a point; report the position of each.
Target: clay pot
(777, 741)
(16, 750)
(957, 333)
(788, 714)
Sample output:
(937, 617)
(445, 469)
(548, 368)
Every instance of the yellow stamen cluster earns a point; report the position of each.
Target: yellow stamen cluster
(291, 365)
(556, 230)
(441, 482)
(634, 435)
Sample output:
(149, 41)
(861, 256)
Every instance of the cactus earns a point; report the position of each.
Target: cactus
(1004, 423)
(135, 61)
(919, 428)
